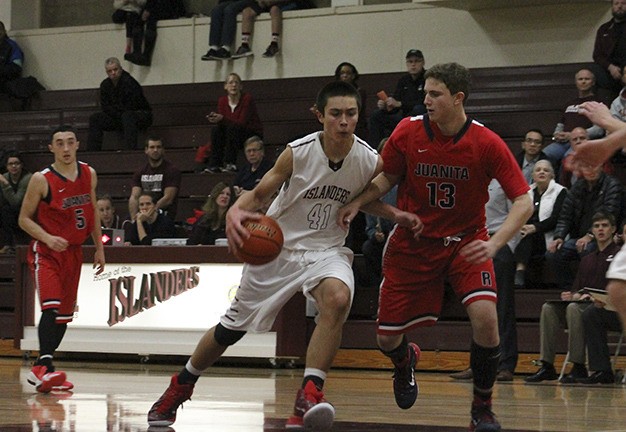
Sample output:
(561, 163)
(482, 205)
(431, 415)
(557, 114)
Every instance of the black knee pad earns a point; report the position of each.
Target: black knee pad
(227, 337)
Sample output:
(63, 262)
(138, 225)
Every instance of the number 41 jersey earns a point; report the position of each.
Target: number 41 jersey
(67, 210)
(307, 204)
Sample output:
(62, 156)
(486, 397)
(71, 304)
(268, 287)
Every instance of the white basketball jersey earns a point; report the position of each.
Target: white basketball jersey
(306, 207)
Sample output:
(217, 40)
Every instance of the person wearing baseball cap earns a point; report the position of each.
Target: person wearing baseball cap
(414, 53)
(407, 100)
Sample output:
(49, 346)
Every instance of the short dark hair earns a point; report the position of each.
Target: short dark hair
(148, 194)
(153, 138)
(336, 88)
(535, 130)
(598, 216)
(63, 128)
(455, 76)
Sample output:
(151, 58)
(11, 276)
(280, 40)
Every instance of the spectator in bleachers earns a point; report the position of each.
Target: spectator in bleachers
(154, 11)
(408, 99)
(594, 192)
(148, 223)
(11, 58)
(275, 9)
(347, 72)
(585, 84)
(597, 321)
(256, 165)
(13, 183)
(568, 176)
(568, 313)
(160, 177)
(124, 108)
(531, 153)
(128, 12)
(106, 210)
(377, 230)
(609, 50)
(212, 224)
(235, 121)
(548, 197)
(223, 28)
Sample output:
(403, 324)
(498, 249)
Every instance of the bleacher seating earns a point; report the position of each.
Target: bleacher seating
(508, 100)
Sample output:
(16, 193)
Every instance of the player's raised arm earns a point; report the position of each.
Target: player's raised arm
(596, 152)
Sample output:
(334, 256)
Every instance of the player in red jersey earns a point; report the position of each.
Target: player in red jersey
(59, 214)
(443, 163)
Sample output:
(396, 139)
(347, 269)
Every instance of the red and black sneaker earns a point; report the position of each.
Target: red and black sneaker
(43, 380)
(405, 388)
(163, 412)
(483, 419)
(311, 411)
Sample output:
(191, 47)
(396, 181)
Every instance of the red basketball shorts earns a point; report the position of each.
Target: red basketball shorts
(56, 276)
(412, 291)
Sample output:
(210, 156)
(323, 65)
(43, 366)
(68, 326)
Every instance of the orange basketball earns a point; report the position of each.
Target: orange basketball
(264, 244)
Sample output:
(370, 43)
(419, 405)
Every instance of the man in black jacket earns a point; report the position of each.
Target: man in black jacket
(408, 100)
(594, 192)
(124, 107)
(11, 58)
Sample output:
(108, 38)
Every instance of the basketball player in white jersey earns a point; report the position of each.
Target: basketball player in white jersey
(317, 175)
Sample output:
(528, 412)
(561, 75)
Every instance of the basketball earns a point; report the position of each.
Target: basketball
(264, 244)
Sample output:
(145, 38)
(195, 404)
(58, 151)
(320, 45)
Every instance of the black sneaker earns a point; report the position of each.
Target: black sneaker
(221, 54)
(210, 55)
(405, 388)
(271, 50)
(243, 51)
(483, 419)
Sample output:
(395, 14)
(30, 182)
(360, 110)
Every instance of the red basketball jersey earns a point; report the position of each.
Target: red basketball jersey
(447, 178)
(67, 210)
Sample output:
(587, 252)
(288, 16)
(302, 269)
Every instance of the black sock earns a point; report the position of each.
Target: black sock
(48, 334)
(399, 355)
(186, 377)
(484, 363)
(319, 382)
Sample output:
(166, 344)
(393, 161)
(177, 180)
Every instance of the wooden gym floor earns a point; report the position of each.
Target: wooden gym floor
(115, 397)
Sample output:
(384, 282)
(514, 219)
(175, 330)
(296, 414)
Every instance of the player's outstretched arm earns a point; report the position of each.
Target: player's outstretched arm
(37, 189)
(367, 201)
(596, 152)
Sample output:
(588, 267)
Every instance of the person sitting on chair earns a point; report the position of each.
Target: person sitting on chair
(569, 312)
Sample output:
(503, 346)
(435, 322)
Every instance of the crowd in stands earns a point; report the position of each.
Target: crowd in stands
(576, 211)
